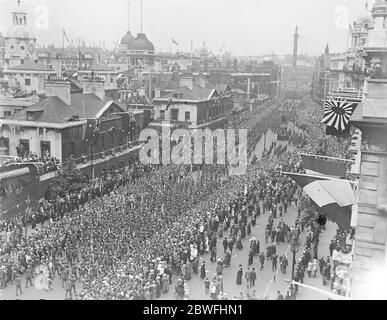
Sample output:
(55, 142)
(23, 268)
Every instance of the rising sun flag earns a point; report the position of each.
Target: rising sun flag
(337, 113)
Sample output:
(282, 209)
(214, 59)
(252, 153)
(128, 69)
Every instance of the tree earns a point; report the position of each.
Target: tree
(69, 179)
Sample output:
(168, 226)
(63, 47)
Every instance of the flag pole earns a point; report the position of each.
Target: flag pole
(325, 157)
(318, 177)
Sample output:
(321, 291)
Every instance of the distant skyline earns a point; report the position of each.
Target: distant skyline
(244, 27)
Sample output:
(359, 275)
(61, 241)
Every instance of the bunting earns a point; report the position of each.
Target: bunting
(92, 130)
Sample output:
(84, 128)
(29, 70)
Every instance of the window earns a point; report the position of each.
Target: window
(27, 82)
(4, 144)
(113, 140)
(162, 115)
(7, 114)
(187, 116)
(22, 47)
(24, 148)
(12, 47)
(102, 142)
(175, 114)
(30, 116)
(72, 148)
(45, 148)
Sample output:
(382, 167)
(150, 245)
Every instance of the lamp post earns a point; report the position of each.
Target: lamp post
(294, 244)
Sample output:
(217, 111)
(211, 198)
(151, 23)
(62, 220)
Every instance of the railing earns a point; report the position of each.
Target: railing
(104, 153)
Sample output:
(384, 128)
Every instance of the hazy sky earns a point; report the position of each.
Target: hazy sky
(246, 27)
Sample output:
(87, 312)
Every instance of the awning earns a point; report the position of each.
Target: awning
(331, 191)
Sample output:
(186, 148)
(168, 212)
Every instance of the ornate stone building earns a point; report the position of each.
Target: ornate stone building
(370, 220)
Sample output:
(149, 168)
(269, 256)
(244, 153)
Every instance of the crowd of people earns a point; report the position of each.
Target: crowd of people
(126, 236)
(44, 163)
(14, 93)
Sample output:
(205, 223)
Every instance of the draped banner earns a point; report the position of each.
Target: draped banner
(15, 190)
(329, 167)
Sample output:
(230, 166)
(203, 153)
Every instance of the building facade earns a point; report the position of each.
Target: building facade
(29, 77)
(20, 43)
(57, 125)
(370, 217)
(192, 106)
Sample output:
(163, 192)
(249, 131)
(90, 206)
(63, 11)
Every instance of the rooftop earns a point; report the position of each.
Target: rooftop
(54, 110)
(30, 66)
(197, 93)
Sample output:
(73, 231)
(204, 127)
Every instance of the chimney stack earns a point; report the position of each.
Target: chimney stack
(186, 81)
(94, 85)
(59, 87)
(199, 81)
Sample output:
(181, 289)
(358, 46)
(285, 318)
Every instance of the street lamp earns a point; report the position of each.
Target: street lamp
(294, 244)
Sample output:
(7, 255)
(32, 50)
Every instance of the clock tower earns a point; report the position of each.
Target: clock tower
(19, 42)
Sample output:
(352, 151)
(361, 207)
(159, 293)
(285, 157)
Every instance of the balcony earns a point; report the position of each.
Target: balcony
(85, 159)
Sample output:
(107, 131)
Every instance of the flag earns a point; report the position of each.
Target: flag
(337, 113)
(169, 104)
(330, 167)
(65, 35)
(92, 130)
(125, 123)
(174, 42)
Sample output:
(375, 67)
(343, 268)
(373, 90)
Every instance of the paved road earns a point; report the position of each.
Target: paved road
(265, 282)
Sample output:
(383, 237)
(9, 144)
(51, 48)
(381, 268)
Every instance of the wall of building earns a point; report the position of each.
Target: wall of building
(34, 136)
(19, 80)
(12, 105)
(18, 50)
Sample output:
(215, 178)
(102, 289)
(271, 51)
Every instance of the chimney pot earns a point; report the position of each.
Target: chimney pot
(186, 81)
(94, 85)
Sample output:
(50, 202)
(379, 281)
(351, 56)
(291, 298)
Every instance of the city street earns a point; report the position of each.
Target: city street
(267, 283)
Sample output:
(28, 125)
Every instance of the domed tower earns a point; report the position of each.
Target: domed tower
(361, 26)
(141, 52)
(124, 46)
(126, 40)
(20, 44)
